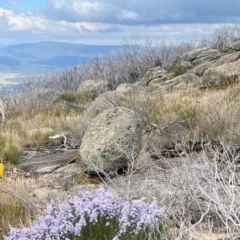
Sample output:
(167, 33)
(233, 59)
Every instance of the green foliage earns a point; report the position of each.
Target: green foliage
(100, 231)
(8, 151)
(225, 50)
(177, 68)
(77, 97)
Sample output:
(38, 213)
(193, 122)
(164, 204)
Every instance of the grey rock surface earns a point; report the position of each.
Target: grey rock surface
(228, 58)
(106, 100)
(181, 82)
(111, 142)
(200, 55)
(152, 74)
(234, 45)
(222, 75)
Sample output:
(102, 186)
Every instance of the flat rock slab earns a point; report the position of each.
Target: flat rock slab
(39, 162)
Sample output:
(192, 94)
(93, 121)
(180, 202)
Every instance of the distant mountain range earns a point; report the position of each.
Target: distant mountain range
(34, 58)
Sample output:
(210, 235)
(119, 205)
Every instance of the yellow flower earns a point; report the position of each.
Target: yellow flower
(1, 170)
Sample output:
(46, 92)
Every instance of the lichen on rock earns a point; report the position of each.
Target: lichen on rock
(111, 142)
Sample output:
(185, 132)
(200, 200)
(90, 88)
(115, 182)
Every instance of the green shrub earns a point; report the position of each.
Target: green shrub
(226, 50)
(177, 68)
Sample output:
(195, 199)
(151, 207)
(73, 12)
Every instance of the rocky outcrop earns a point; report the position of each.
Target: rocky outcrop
(201, 68)
(126, 88)
(234, 45)
(106, 100)
(111, 142)
(153, 74)
(228, 58)
(222, 75)
(93, 87)
(199, 55)
(205, 67)
(180, 82)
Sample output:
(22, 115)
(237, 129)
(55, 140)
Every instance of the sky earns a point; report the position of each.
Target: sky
(104, 22)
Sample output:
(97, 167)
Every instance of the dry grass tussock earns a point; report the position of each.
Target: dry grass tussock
(17, 207)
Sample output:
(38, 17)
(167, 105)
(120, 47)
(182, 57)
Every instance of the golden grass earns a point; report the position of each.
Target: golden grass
(61, 119)
(83, 178)
(191, 114)
(16, 207)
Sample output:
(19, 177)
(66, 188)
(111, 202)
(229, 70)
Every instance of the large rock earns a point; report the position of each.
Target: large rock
(152, 74)
(180, 82)
(111, 142)
(222, 75)
(228, 58)
(201, 68)
(234, 45)
(106, 100)
(200, 55)
(94, 87)
(126, 88)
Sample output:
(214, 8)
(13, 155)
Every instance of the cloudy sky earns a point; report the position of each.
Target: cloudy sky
(102, 22)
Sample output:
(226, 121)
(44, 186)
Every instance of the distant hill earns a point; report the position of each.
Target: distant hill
(34, 58)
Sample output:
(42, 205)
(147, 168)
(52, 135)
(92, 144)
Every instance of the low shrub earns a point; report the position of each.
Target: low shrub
(177, 68)
(94, 216)
(226, 50)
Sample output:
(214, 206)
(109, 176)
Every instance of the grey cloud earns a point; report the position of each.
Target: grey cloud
(70, 10)
(144, 12)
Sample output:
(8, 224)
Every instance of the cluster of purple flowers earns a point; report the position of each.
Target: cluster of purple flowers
(69, 218)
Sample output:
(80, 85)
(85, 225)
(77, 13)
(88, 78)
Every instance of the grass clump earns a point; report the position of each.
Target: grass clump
(15, 207)
(9, 152)
(189, 115)
(13, 214)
